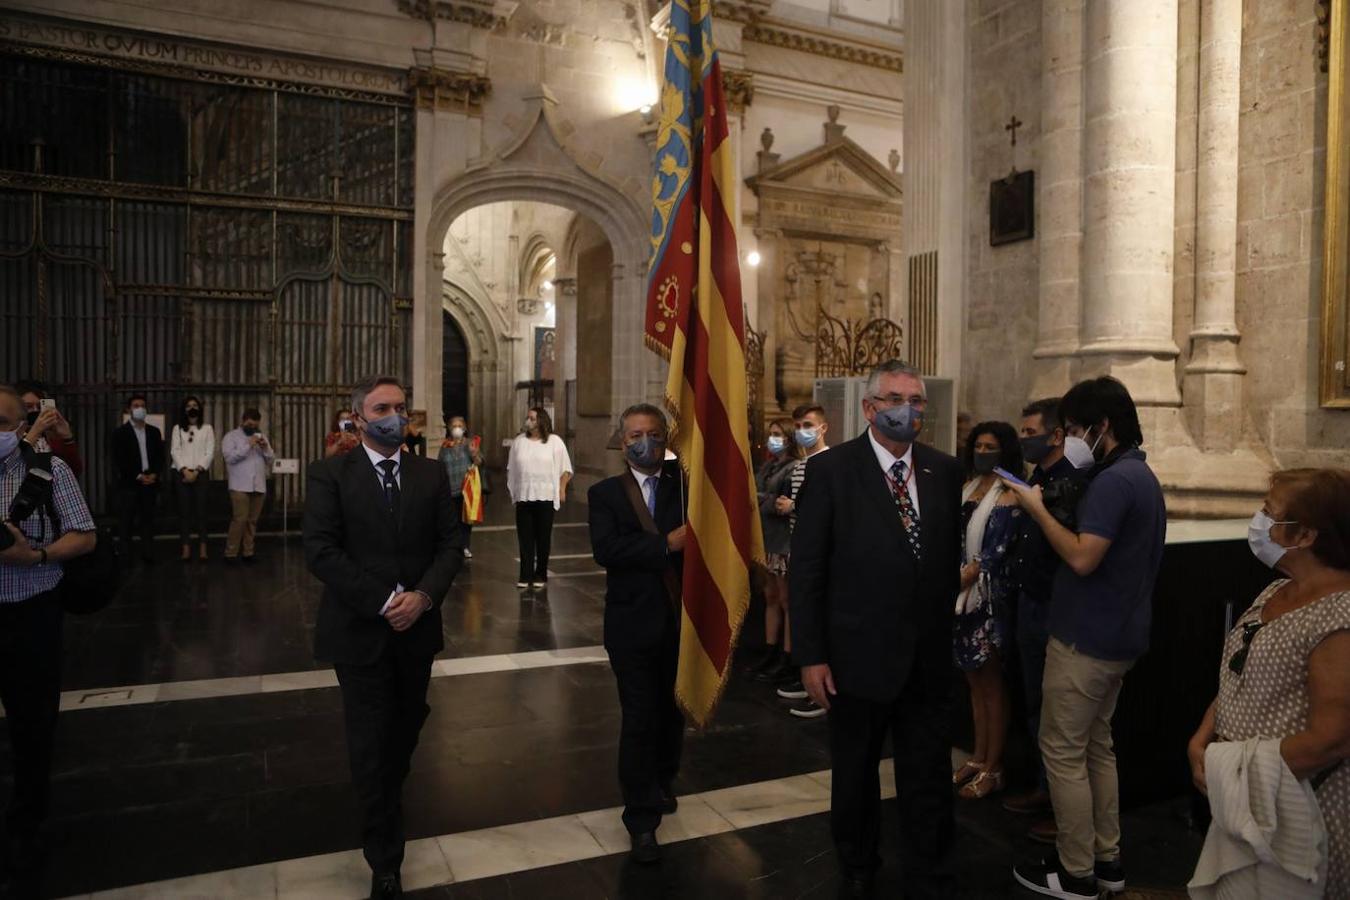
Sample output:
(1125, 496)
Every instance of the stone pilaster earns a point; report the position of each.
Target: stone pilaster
(1129, 196)
(1059, 185)
(1213, 377)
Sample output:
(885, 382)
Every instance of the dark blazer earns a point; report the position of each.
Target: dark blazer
(859, 599)
(638, 610)
(354, 545)
(126, 453)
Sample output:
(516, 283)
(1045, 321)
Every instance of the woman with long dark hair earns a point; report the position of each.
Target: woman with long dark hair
(538, 470)
(192, 447)
(992, 520)
(771, 482)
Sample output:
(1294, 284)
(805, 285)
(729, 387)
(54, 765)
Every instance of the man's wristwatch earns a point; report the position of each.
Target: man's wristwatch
(42, 556)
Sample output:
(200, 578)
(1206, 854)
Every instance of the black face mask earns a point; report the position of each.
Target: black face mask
(32, 418)
(194, 413)
(1035, 447)
(986, 462)
(250, 430)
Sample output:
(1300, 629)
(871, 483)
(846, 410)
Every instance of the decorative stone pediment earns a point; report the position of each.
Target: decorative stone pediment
(838, 189)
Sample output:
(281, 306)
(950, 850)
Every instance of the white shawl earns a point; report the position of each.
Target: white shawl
(1267, 838)
(973, 597)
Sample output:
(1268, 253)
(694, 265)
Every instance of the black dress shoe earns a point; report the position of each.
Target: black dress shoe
(386, 887)
(645, 848)
(854, 885)
(669, 802)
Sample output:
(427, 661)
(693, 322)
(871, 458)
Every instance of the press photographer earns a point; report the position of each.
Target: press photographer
(47, 522)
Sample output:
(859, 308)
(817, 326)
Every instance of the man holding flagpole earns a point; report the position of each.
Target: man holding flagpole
(695, 319)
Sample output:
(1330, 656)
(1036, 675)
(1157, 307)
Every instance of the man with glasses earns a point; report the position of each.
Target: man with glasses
(873, 581)
(1100, 614)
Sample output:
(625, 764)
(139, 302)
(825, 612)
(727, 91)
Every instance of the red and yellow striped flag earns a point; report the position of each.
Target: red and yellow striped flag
(695, 319)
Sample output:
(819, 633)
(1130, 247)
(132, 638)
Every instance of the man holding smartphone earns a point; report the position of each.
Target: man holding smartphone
(46, 424)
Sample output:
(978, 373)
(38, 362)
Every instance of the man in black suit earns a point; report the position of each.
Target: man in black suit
(872, 586)
(380, 533)
(637, 534)
(138, 460)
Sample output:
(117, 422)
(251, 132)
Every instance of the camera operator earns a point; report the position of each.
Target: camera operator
(45, 422)
(47, 523)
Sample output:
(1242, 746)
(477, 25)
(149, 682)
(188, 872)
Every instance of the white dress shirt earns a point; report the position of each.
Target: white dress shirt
(139, 431)
(887, 459)
(648, 484)
(375, 459)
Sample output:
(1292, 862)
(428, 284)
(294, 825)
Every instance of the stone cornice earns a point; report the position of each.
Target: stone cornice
(477, 13)
(435, 88)
(793, 37)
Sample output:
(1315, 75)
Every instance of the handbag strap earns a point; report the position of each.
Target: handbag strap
(668, 574)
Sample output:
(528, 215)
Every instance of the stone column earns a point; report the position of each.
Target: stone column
(1059, 184)
(1130, 196)
(427, 326)
(1213, 378)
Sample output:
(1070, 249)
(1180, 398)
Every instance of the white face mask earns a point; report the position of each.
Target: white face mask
(9, 442)
(1078, 453)
(1263, 545)
(457, 432)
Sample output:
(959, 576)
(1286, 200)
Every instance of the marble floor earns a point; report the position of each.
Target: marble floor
(201, 754)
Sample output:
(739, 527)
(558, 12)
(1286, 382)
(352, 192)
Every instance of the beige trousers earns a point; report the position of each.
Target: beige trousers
(1080, 764)
(245, 508)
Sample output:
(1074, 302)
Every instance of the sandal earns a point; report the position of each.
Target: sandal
(982, 785)
(967, 772)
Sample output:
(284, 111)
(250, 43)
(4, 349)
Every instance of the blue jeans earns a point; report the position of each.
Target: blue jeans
(1033, 633)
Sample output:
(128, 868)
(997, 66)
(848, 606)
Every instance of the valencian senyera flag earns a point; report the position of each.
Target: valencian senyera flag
(695, 320)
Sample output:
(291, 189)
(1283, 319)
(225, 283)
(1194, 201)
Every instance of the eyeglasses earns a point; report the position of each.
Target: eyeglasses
(897, 400)
(1239, 659)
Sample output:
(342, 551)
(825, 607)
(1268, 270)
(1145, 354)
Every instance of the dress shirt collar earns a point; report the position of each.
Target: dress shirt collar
(643, 476)
(888, 459)
(376, 458)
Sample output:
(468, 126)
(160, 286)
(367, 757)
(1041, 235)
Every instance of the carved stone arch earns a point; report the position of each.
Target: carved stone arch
(475, 319)
(537, 165)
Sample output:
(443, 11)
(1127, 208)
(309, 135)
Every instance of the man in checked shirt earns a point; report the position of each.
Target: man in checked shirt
(30, 637)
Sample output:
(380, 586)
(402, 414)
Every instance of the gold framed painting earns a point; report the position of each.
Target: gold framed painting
(1336, 254)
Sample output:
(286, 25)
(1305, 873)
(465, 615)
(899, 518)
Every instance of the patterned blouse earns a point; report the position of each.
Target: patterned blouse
(1269, 699)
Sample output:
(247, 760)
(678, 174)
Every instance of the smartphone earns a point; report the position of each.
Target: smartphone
(1004, 473)
(46, 403)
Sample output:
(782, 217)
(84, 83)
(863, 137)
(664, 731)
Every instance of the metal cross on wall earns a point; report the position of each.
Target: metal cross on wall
(1013, 124)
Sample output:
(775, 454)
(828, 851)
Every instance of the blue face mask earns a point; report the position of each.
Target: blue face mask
(807, 437)
(899, 423)
(646, 452)
(776, 444)
(9, 442)
(387, 431)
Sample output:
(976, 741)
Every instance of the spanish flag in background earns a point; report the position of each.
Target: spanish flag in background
(695, 320)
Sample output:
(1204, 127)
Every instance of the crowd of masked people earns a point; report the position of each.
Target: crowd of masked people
(1034, 556)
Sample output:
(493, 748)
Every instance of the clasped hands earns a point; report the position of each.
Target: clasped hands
(405, 609)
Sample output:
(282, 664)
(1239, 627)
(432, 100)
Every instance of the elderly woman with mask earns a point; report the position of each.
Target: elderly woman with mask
(1285, 671)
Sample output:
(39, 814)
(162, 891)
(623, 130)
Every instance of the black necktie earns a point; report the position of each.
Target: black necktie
(391, 492)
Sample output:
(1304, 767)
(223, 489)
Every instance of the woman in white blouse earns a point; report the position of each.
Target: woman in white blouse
(191, 449)
(537, 472)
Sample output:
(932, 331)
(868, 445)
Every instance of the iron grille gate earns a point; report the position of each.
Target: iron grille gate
(167, 235)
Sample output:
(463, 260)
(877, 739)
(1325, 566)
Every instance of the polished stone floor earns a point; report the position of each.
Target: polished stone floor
(201, 753)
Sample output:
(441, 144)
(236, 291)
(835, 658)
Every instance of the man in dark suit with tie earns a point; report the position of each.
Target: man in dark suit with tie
(138, 460)
(381, 534)
(872, 586)
(637, 534)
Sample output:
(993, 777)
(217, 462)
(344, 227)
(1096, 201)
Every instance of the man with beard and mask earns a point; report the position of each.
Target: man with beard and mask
(873, 581)
(55, 526)
(381, 534)
(1100, 614)
(638, 535)
(1033, 570)
(248, 460)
